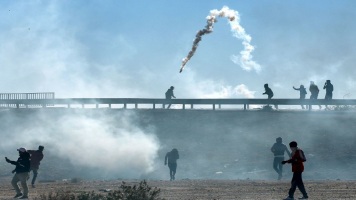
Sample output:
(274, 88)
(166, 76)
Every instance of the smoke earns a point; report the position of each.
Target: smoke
(245, 59)
(243, 90)
(90, 140)
(229, 92)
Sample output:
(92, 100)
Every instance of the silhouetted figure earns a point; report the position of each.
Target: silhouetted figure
(314, 91)
(278, 150)
(36, 157)
(329, 91)
(269, 92)
(22, 172)
(172, 158)
(169, 95)
(302, 92)
(297, 160)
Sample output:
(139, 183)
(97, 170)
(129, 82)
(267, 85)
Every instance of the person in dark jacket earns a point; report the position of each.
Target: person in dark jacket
(329, 91)
(314, 91)
(22, 171)
(170, 94)
(269, 93)
(36, 157)
(297, 160)
(278, 150)
(172, 158)
(302, 92)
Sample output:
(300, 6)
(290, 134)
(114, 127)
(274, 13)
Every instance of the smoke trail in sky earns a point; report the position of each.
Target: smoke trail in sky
(245, 59)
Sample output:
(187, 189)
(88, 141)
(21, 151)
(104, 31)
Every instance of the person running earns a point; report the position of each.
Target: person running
(169, 95)
(278, 150)
(302, 92)
(36, 157)
(297, 160)
(314, 91)
(269, 93)
(21, 172)
(172, 158)
(329, 91)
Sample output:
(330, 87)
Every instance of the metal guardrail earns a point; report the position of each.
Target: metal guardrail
(24, 96)
(184, 102)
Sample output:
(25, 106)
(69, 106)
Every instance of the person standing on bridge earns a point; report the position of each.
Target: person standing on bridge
(278, 150)
(297, 160)
(314, 91)
(36, 157)
(302, 93)
(269, 92)
(172, 158)
(329, 91)
(21, 172)
(169, 95)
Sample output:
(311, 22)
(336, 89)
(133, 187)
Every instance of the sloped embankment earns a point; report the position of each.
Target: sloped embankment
(212, 144)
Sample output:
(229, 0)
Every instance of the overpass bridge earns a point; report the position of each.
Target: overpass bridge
(43, 100)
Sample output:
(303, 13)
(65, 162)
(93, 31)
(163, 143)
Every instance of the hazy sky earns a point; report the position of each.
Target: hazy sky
(135, 48)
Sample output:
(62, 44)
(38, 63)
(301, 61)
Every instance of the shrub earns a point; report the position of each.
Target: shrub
(75, 180)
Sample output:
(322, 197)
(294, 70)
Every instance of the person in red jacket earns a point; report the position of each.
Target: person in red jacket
(297, 160)
(36, 157)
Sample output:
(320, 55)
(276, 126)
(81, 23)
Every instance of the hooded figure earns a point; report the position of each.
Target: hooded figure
(329, 91)
(269, 92)
(172, 158)
(169, 94)
(278, 149)
(36, 157)
(314, 91)
(302, 93)
(22, 172)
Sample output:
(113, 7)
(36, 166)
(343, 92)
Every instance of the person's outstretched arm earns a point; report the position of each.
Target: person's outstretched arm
(296, 88)
(10, 161)
(165, 159)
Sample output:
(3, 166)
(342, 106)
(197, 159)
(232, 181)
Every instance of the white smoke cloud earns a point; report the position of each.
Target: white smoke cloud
(245, 59)
(243, 90)
(91, 139)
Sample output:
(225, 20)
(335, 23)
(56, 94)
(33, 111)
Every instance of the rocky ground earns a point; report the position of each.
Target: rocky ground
(204, 189)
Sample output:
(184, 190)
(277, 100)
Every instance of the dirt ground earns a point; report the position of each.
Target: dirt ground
(205, 189)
